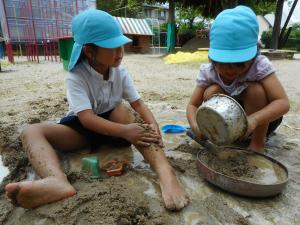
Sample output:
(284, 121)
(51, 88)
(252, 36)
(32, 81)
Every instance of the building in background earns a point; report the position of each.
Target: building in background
(159, 12)
(139, 31)
(31, 25)
(263, 24)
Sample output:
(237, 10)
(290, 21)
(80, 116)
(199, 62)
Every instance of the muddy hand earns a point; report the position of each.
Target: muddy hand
(138, 135)
(251, 127)
(197, 132)
(155, 128)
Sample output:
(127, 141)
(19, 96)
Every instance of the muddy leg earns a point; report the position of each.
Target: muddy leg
(173, 194)
(254, 99)
(38, 141)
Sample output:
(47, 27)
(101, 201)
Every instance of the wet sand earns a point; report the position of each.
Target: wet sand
(31, 93)
(243, 165)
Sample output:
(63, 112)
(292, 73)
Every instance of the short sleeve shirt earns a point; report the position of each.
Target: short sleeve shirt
(261, 68)
(86, 89)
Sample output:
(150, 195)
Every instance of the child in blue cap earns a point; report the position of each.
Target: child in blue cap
(237, 69)
(96, 87)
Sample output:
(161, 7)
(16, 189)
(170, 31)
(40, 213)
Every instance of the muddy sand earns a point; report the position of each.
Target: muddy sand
(31, 92)
(243, 165)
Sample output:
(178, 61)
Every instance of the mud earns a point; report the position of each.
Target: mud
(243, 165)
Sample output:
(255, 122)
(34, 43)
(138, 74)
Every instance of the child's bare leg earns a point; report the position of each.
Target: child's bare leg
(254, 99)
(173, 194)
(54, 185)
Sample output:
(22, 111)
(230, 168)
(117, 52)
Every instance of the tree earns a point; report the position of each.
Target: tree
(188, 20)
(211, 8)
(283, 36)
(186, 15)
(122, 8)
(276, 26)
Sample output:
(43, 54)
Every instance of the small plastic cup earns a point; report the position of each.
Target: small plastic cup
(90, 165)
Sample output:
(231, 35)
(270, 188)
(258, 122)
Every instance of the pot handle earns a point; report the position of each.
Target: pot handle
(206, 144)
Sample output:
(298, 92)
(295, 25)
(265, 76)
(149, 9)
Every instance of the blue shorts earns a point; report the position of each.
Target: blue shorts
(94, 139)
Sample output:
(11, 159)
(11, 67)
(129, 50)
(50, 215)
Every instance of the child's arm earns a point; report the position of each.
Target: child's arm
(133, 133)
(278, 103)
(147, 116)
(195, 101)
(140, 107)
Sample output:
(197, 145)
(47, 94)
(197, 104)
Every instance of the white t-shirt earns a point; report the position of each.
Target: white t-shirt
(261, 68)
(86, 89)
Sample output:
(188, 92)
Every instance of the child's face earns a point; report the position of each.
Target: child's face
(111, 57)
(230, 71)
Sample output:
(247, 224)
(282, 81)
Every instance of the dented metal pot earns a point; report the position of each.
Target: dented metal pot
(222, 119)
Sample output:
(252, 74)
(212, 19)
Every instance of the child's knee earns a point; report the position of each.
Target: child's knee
(211, 90)
(255, 91)
(31, 131)
(122, 114)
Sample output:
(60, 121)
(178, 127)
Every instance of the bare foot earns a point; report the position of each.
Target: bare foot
(31, 194)
(173, 194)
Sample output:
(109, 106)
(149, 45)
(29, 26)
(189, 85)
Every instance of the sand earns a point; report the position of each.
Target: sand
(243, 165)
(31, 92)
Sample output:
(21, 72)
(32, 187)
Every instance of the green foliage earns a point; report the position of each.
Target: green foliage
(266, 38)
(294, 38)
(263, 7)
(188, 20)
(211, 8)
(295, 31)
(122, 8)
(185, 16)
(164, 27)
(293, 41)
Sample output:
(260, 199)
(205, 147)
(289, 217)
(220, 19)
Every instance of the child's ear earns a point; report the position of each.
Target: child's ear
(87, 50)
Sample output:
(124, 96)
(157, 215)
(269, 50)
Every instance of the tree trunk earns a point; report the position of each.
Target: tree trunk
(171, 27)
(276, 26)
(227, 4)
(283, 37)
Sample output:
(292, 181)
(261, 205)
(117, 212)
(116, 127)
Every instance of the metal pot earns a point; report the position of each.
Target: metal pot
(222, 119)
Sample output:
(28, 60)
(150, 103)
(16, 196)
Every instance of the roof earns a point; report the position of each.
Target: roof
(134, 26)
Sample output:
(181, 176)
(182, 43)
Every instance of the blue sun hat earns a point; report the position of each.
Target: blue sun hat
(234, 35)
(96, 27)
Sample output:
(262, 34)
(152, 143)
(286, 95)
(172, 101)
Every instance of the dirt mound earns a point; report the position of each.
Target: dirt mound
(195, 43)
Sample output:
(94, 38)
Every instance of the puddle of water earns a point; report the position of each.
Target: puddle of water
(179, 155)
(192, 218)
(171, 141)
(106, 153)
(195, 189)
(3, 170)
(269, 172)
(225, 155)
(151, 191)
(178, 117)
